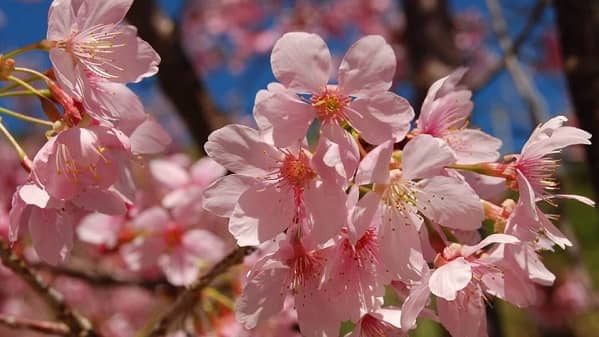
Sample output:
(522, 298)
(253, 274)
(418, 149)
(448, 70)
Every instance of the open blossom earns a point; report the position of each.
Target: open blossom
(444, 114)
(81, 160)
(383, 322)
(302, 64)
(51, 221)
(270, 188)
(294, 267)
(180, 248)
(532, 172)
(88, 37)
(401, 194)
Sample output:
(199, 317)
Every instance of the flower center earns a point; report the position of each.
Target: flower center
(330, 105)
(173, 235)
(296, 170)
(94, 47)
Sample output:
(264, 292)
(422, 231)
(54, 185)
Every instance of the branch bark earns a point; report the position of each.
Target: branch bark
(578, 24)
(187, 298)
(177, 77)
(523, 83)
(475, 83)
(18, 323)
(77, 324)
(430, 37)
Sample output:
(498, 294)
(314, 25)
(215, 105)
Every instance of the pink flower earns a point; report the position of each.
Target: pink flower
(383, 322)
(51, 221)
(180, 249)
(185, 187)
(295, 268)
(445, 113)
(302, 64)
(270, 188)
(413, 186)
(89, 36)
(79, 161)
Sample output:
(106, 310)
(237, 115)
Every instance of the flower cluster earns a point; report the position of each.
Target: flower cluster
(85, 165)
(378, 204)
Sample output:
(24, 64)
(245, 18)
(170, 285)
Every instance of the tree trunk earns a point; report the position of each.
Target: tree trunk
(578, 23)
(430, 37)
(177, 77)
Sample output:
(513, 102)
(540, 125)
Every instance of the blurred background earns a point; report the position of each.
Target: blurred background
(216, 57)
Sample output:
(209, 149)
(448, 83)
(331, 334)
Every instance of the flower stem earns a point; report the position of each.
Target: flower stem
(27, 86)
(33, 72)
(20, 152)
(45, 92)
(41, 45)
(16, 85)
(25, 117)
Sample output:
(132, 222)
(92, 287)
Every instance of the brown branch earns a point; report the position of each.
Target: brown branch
(578, 24)
(19, 323)
(104, 279)
(511, 49)
(430, 37)
(77, 324)
(177, 77)
(187, 298)
(523, 84)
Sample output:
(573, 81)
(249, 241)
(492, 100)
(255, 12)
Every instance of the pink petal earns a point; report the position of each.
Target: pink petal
(51, 235)
(438, 89)
(415, 303)
(368, 67)
(301, 62)
(168, 174)
(102, 201)
(134, 59)
(473, 146)
(241, 150)
(149, 138)
(152, 220)
(337, 155)
(425, 156)
(179, 267)
(263, 295)
(221, 197)
(465, 317)
(92, 13)
(381, 117)
(204, 245)
(143, 253)
(447, 280)
(491, 239)
(33, 195)
(449, 202)
(61, 17)
(260, 215)
(374, 167)
(205, 171)
(363, 215)
(400, 244)
(280, 114)
(100, 229)
(326, 205)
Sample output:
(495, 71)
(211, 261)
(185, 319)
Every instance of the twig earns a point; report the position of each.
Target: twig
(19, 323)
(513, 49)
(77, 324)
(186, 300)
(523, 83)
(177, 77)
(104, 279)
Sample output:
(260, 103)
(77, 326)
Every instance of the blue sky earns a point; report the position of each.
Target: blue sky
(498, 108)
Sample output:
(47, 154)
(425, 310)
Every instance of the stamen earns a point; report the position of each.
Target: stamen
(330, 105)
